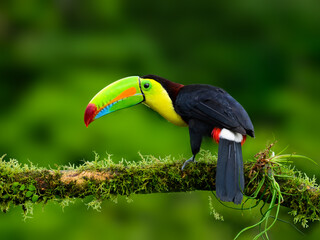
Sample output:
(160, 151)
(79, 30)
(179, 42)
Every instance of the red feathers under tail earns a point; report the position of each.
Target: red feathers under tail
(216, 136)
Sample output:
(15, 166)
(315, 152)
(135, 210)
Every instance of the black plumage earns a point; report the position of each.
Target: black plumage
(213, 106)
(229, 174)
(205, 107)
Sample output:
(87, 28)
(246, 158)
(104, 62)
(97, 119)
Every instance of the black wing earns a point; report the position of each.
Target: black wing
(213, 106)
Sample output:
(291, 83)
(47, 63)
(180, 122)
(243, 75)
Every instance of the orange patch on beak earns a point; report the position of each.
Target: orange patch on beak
(126, 93)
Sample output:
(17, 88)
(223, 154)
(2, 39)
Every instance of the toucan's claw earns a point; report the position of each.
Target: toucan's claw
(188, 161)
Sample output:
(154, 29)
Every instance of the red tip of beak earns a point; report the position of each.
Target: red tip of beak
(90, 113)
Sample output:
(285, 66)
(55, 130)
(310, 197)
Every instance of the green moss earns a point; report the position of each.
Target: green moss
(25, 185)
(271, 176)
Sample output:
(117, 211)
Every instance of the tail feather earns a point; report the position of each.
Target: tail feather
(229, 175)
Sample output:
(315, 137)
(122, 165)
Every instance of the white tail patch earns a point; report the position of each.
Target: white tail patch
(231, 136)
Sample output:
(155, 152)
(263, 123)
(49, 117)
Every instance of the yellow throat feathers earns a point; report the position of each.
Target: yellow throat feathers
(158, 99)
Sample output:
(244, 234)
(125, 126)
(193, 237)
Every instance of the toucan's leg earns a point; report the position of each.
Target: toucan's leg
(195, 141)
(188, 161)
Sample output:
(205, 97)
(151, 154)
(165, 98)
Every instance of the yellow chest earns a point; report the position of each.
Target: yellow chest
(161, 103)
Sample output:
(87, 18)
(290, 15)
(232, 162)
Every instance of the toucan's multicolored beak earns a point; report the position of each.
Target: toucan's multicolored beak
(121, 94)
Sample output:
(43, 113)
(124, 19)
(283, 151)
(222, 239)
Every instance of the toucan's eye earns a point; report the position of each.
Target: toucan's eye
(146, 85)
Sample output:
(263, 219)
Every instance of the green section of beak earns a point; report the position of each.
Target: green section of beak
(121, 94)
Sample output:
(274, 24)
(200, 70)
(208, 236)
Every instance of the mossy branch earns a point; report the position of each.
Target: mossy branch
(104, 179)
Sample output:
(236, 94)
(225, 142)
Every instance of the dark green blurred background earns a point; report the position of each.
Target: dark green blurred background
(56, 55)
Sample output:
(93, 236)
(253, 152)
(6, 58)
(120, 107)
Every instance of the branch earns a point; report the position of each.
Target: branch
(104, 179)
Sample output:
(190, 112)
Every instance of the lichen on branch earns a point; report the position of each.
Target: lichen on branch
(24, 185)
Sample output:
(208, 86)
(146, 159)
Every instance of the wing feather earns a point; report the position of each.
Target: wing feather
(214, 106)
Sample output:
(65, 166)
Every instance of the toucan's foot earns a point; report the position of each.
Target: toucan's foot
(188, 161)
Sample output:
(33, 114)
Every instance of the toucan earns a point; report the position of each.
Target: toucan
(207, 110)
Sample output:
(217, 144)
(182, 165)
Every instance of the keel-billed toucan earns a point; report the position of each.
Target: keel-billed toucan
(205, 109)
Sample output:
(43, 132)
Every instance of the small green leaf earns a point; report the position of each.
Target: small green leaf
(5, 196)
(15, 184)
(29, 194)
(35, 197)
(23, 187)
(32, 188)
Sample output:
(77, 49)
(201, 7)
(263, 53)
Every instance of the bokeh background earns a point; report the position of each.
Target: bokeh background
(56, 55)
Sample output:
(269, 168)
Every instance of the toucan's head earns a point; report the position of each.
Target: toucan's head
(156, 92)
